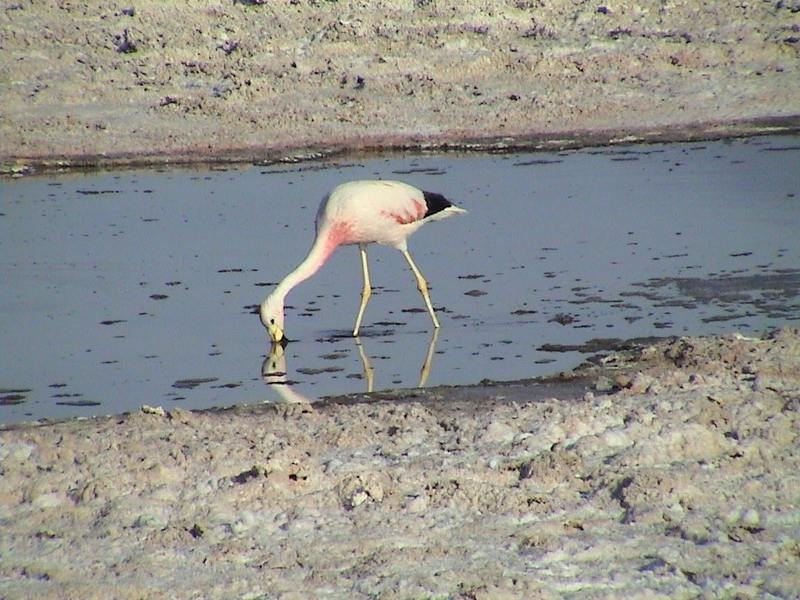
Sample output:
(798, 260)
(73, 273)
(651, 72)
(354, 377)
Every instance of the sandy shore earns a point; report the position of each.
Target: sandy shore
(89, 83)
(682, 481)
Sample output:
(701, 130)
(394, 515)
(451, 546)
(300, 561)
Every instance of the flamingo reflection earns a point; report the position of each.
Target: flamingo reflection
(274, 370)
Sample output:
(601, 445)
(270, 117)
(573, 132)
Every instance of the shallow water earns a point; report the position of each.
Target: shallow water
(138, 287)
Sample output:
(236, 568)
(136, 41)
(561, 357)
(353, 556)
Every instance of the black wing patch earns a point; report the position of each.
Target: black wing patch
(435, 202)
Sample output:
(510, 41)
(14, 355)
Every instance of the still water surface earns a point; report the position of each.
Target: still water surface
(138, 287)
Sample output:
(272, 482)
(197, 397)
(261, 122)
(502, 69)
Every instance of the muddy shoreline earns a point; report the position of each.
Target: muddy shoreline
(384, 146)
(674, 474)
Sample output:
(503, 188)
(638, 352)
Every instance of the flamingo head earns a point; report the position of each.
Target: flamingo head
(271, 313)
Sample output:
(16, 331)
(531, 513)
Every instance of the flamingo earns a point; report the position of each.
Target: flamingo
(361, 212)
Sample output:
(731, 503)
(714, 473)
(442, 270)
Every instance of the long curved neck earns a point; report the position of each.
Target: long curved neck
(321, 249)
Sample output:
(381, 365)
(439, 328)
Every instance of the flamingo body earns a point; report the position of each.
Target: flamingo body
(361, 212)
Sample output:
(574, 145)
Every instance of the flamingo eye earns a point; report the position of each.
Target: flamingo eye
(272, 321)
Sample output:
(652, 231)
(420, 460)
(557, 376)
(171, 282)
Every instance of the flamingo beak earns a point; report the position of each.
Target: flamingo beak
(275, 333)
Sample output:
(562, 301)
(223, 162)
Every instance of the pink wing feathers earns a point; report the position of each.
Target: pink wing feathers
(383, 212)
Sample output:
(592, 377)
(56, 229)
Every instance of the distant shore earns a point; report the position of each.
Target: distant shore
(105, 86)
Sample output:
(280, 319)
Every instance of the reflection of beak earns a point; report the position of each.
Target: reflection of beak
(275, 333)
(273, 373)
(273, 369)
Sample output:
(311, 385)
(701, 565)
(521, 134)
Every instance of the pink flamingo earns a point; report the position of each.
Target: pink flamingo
(362, 212)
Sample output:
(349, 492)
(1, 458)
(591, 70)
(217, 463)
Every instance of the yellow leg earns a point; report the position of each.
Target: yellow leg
(422, 286)
(366, 291)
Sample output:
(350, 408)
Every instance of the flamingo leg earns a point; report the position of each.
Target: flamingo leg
(366, 291)
(422, 286)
